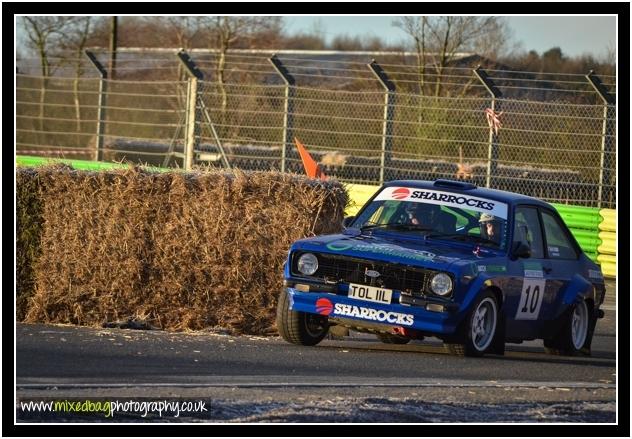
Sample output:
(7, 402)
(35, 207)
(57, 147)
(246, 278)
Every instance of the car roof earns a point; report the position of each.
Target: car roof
(470, 189)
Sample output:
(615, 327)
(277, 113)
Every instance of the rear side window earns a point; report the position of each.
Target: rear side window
(527, 229)
(558, 243)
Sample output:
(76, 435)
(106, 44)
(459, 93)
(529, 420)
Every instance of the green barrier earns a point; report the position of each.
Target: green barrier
(579, 217)
(588, 240)
(585, 234)
(584, 222)
(577, 209)
(84, 165)
(591, 247)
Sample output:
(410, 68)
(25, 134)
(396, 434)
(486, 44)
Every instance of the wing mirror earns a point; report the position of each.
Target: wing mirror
(521, 250)
(347, 221)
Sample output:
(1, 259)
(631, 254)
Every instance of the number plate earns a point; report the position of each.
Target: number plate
(370, 294)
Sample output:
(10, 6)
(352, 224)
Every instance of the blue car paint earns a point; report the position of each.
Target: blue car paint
(463, 263)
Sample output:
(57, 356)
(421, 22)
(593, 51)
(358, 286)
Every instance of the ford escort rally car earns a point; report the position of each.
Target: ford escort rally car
(474, 267)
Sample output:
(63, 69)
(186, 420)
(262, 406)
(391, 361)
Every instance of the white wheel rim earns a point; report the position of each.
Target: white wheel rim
(579, 325)
(483, 324)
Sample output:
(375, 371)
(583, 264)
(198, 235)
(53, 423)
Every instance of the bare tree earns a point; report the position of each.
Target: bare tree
(416, 28)
(442, 38)
(43, 34)
(74, 39)
(225, 32)
(181, 32)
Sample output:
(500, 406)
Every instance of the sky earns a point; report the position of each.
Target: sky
(574, 35)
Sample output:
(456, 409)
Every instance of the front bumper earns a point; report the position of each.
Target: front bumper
(394, 314)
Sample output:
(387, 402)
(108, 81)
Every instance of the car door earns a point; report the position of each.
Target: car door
(561, 257)
(532, 289)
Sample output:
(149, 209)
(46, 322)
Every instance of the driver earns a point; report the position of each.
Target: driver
(429, 215)
(420, 214)
(490, 227)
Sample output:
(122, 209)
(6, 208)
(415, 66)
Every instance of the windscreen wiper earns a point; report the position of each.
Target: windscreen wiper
(396, 226)
(462, 237)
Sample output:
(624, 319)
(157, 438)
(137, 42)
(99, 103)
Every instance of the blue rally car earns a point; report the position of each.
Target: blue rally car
(474, 267)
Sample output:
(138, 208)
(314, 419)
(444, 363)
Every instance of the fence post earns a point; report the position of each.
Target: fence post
(191, 113)
(194, 74)
(387, 127)
(606, 167)
(98, 153)
(191, 143)
(492, 152)
(288, 115)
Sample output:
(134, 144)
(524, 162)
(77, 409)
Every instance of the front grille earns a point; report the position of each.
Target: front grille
(332, 268)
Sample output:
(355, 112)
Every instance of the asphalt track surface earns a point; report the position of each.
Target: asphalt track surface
(265, 379)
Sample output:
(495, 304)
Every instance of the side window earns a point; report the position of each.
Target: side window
(527, 229)
(558, 243)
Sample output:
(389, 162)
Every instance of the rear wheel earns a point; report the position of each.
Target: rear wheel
(479, 328)
(575, 335)
(392, 338)
(299, 327)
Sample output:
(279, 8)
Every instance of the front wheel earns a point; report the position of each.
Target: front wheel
(575, 335)
(479, 328)
(299, 327)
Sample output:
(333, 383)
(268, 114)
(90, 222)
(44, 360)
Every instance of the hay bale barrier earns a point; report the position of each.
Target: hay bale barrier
(28, 231)
(178, 250)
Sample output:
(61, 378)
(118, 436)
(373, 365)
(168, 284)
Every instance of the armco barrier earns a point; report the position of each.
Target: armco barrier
(593, 228)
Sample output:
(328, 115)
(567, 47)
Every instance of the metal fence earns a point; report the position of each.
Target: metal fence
(362, 121)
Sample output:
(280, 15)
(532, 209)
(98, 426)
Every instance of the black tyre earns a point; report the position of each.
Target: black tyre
(392, 338)
(298, 327)
(479, 328)
(576, 333)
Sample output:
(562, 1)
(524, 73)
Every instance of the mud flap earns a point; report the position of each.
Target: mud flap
(591, 331)
(498, 344)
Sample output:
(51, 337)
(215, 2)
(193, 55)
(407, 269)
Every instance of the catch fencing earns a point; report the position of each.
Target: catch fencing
(551, 136)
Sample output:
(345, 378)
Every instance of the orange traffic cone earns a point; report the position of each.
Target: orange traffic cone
(312, 169)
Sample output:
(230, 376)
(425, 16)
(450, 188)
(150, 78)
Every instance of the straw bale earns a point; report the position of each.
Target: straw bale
(180, 250)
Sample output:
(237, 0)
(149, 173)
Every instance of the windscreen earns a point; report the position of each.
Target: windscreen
(437, 214)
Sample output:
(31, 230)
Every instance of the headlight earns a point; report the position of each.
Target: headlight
(441, 284)
(307, 264)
